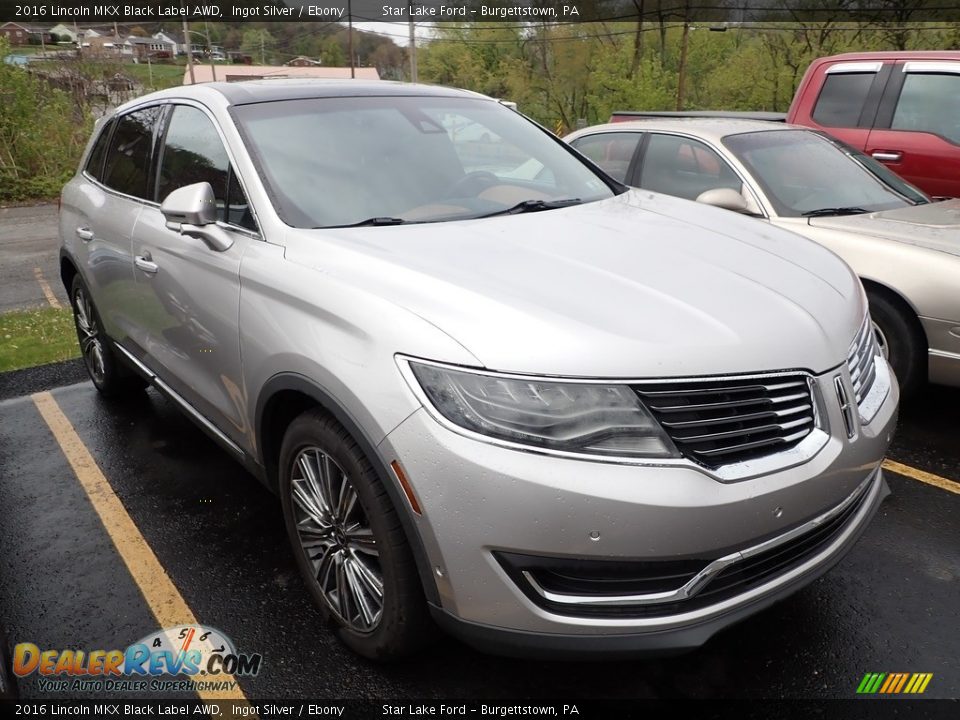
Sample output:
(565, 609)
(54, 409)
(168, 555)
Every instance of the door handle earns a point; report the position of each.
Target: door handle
(887, 155)
(85, 234)
(145, 263)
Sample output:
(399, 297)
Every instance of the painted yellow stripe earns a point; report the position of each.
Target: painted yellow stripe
(926, 681)
(923, 476)
(903, 679)
(45, 287)
(912, 684)
(165, 601)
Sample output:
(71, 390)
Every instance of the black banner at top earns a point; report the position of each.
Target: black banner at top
(50, 12)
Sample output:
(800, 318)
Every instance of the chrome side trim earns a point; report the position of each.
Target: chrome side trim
(179, 400)
(702, 578)
(846, 407)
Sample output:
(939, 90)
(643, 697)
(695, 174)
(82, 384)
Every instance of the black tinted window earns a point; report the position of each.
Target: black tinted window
(127, 168)
(238, 209)
(611, 151)
(929, 103)
(193, 153)
(841, 99)
(95, 162)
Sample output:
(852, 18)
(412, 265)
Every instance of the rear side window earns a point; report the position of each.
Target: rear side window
(611, 151)
(128, 163)
(842, 98)
(193, 153)
(94, 166)
(929, 103)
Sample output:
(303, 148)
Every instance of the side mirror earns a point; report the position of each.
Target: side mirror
(726, 198)
(192, 211)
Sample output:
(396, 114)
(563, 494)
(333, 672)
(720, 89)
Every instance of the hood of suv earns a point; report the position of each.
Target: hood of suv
(935, 226)
(639, 285)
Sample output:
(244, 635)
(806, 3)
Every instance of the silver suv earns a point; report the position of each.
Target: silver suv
(492, 386)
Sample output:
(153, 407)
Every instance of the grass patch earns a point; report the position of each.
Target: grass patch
(164, 76)
(36, 337)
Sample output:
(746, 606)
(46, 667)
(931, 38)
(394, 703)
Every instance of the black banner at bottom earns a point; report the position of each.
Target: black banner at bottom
(858, 709)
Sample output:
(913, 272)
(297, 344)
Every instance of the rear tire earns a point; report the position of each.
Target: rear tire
(900, 341)
(109, 376)
(348, 542)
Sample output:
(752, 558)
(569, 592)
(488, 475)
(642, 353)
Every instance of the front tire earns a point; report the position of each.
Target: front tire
(348, 542)
(900, 341)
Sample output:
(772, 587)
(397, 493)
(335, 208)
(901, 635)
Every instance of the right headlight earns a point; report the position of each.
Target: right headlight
(577, 417)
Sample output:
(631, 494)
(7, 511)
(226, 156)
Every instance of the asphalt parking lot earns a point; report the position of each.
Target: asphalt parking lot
(218, 536)
(117, 518)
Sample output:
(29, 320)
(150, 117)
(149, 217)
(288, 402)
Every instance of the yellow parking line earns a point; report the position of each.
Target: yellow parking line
(165, 601)
(923, 476)
(45, 286)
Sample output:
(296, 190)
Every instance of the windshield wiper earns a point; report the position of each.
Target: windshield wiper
(367, 223)
(526, 206)
(821, 212)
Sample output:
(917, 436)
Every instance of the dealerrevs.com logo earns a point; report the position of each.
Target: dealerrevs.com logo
(186, 657)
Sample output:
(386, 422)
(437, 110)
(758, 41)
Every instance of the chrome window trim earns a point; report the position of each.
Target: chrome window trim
(854, 67)
(925, 66)
(806, 449)
(699, 581)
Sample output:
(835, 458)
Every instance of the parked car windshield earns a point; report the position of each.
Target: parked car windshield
(330, 162)
(803, 173)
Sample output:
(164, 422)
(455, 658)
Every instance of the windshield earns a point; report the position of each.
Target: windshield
(332, 162)
(803, 173)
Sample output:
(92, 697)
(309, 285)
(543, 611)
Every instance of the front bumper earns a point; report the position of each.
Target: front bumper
(483, 503)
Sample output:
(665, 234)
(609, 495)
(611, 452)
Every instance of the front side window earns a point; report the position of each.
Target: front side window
(929, 103)
(842, 98)
(347, 160)
(193, 153)
(129, 160)
(611, 151)
(803, 173)
(684, 167)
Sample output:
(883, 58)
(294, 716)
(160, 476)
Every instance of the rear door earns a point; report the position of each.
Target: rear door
(848, 100)
(188, 293)
(101, 208)
(917, 133)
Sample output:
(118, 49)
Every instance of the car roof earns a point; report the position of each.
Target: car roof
(258, 91)
(892, 55)
(712, 129)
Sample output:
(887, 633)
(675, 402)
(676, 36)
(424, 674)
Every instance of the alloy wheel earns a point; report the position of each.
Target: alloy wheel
(88, 332)
(337, 540)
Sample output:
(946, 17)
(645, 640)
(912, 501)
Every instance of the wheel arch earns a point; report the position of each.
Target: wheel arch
(283, 398)
(909, 311)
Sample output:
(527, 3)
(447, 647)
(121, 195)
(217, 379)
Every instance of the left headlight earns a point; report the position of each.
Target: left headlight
(577, 417)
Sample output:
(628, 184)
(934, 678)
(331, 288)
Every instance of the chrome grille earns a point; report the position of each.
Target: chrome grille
(722, 421)
(861, 360)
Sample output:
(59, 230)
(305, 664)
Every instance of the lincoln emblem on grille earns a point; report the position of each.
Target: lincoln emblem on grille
(846, 407)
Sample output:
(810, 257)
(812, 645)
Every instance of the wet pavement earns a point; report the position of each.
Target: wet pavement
(889, 606)
(29, 257)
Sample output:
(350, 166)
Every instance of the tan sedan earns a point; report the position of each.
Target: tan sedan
(905, 248)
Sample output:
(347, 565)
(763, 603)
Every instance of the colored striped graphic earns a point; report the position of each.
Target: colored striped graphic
(894, 683)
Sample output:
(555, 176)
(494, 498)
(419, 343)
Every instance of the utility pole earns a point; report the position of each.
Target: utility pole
(263, 57)
(413, 42)
(353, 72)
(186, 43)
(213, 67)
(682, 74)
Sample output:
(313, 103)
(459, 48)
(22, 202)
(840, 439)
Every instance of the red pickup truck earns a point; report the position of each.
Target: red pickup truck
(903, 108)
